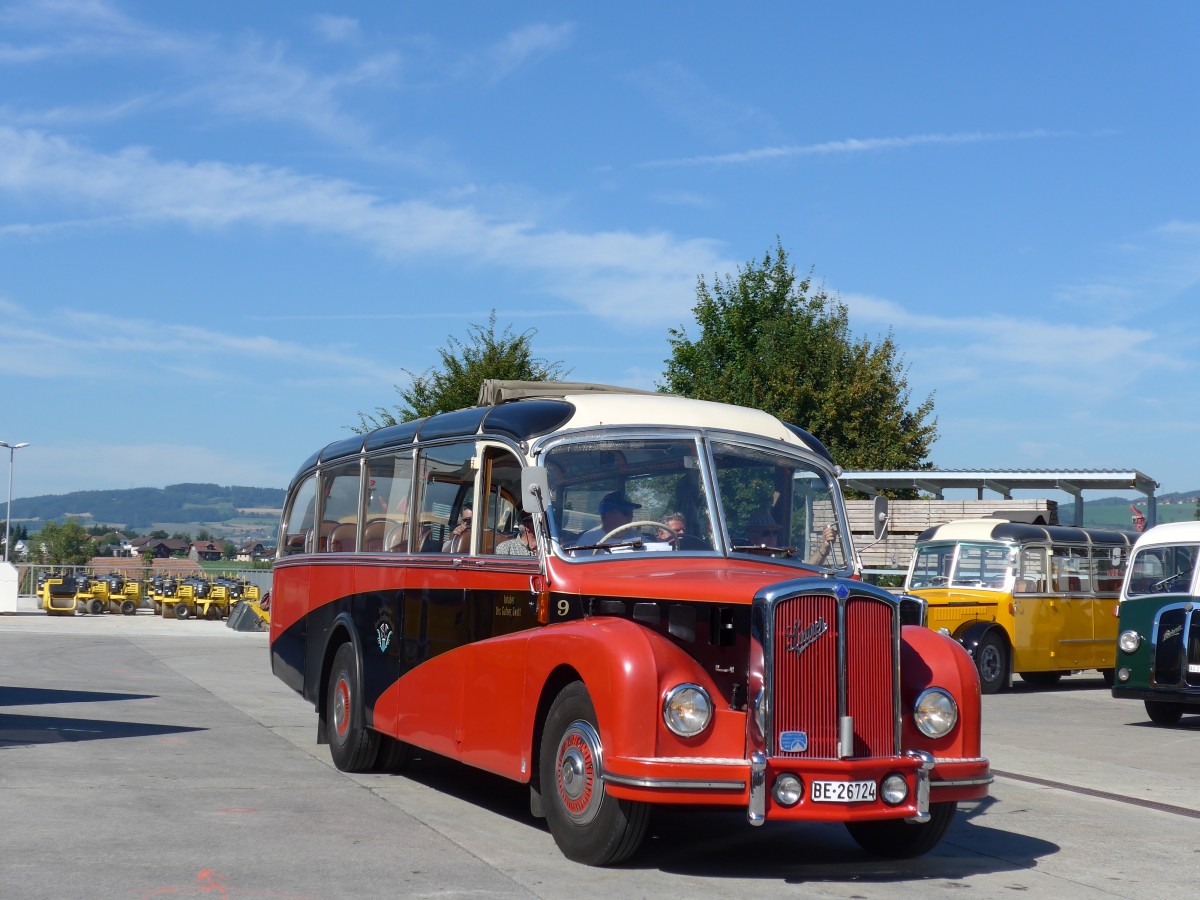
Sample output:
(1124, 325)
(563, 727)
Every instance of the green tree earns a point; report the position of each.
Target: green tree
(66, 544)
(464, 367)
(228, 550)
(781, 344)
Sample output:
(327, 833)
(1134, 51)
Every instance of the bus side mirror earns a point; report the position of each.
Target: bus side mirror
(535, 488)
(880, 517)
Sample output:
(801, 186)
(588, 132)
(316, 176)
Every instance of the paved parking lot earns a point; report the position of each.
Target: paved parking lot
(144, 757)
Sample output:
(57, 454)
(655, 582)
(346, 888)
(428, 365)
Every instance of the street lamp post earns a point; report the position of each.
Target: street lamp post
(12, 449)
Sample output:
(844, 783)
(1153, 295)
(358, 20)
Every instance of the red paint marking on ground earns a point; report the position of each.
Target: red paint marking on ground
(238, 809)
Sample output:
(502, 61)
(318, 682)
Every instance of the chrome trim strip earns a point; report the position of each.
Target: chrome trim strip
(961, 782)
(682, 783)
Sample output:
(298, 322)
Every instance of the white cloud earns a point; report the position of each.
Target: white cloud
(146, 349)
(520, 46)
(622, 276)
(850, 146)
(337, 29)
(1151, 271)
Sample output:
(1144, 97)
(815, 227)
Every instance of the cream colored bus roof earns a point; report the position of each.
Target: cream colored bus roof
(614, 410)
(967, 530)
(1171, 533)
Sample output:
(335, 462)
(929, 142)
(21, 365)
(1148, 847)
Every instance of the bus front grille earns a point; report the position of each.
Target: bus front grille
(810, 659)
(1177, 648)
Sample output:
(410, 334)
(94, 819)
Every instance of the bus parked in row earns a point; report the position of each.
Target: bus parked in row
(1037, 600)
(621, 600)
(1158, 644)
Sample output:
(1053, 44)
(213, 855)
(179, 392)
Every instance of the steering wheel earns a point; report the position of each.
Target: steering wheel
(636, 523)
(1164, 584)
(687, 541)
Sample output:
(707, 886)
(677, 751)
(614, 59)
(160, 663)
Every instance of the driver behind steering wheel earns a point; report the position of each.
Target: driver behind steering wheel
(615, 510)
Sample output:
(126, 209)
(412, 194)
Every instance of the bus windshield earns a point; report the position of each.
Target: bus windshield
(1162, 570)
(964, 564)
(648, 495)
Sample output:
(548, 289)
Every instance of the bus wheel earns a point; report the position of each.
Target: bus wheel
(353, 746)
(897, 839)
(991, 660)
(394, 755)
(588, 825)
(1163, 713)
(1042, 679)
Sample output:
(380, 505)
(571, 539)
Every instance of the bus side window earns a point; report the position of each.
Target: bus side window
(339, 509)
(447, 480)
(1031, 578)
(1108, 566)
(298, 523)
(500, 499)
(388, 495)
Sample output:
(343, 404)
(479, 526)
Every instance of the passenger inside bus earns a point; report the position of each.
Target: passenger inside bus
(524, 544)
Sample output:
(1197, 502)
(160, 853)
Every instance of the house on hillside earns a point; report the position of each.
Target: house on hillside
(205, 551)
(162, 548)
(251, 551)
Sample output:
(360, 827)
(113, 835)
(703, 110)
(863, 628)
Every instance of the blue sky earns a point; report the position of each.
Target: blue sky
(225, 228)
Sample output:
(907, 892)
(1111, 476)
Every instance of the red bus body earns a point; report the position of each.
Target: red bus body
(802, 671)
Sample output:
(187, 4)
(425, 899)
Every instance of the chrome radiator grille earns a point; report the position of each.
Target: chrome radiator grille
(820, 656)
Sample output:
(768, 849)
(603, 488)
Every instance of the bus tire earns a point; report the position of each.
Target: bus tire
(1163, 713)
(353, 746)
(991, 662)
(394, 755)
(182, 611)
(128, 607)
(588, 825)
(897, 839)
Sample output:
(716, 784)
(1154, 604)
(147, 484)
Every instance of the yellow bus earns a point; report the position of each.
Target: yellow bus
(1037, 600)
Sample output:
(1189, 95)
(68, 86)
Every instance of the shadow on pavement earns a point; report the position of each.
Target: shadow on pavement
(31, 696)
(19, 731)
(721, 843)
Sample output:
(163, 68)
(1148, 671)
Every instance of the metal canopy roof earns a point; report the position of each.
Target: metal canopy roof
(1005, 481)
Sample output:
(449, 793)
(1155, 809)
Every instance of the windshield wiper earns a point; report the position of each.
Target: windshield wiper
(636, 543)
(786, 551)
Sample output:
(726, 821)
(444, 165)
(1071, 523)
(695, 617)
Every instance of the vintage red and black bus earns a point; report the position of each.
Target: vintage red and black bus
(650, 600)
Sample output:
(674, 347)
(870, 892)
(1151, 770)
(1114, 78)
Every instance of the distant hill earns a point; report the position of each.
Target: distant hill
(1114, 512)
(146, 508)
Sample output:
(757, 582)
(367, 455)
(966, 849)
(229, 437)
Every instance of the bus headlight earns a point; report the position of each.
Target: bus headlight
(1129, 641)
(893, 790)
(788, 790)
(687, 709)
(935, 713)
